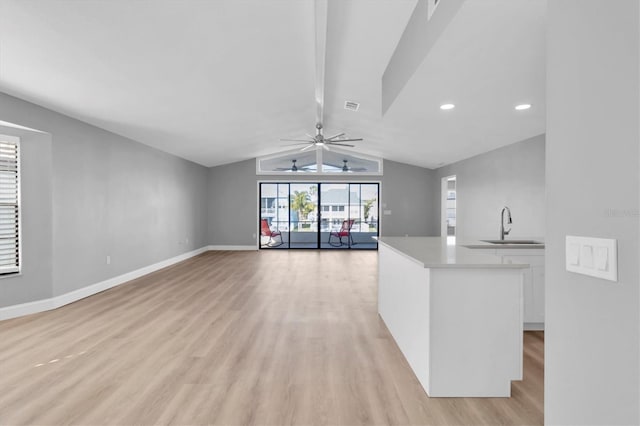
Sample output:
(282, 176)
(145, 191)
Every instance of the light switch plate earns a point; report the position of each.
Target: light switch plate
(597, 257)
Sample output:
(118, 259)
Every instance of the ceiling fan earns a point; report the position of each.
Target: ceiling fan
(346, 168)
(321, 7)
(320, 141)
(293, 168)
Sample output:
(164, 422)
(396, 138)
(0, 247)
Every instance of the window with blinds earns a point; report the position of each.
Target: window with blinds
(9, 205)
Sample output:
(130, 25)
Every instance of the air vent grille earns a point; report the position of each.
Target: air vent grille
(351, 106)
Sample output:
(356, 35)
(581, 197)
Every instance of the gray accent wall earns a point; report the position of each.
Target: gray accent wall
(232, 209)
(408, 191)
(512, 176)
(112, 196)
(592, 328)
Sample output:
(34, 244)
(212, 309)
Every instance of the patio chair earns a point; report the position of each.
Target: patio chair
(266, 231)
(345, 231)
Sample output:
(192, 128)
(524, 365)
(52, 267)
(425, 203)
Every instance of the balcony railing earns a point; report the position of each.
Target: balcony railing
(326, 225)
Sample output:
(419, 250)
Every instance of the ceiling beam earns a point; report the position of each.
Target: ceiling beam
(321, 54)
(419, 36)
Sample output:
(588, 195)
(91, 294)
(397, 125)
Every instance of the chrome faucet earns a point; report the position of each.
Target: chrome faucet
(502, 231)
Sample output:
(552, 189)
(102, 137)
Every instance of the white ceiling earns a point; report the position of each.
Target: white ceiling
(221, 81)
(489, 59)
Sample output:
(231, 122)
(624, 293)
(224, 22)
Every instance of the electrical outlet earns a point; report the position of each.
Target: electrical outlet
(108, 260)
(253, 235)
(186, 241)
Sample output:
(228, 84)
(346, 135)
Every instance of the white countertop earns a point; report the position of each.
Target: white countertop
(433, 252)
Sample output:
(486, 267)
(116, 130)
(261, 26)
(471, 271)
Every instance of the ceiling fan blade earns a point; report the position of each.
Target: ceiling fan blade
(309, 136)
(325, 146)
(296, 140)
(347, 140)
(306, 148)
(341, 144)
(296, 144)
(336, 136)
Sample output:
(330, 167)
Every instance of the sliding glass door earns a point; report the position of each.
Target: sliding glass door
(274, 215)
(363, 201)
(319, 215)
(303, 222)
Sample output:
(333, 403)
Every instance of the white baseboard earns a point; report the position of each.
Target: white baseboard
(534, 326)
(28, 308)
(216, 248)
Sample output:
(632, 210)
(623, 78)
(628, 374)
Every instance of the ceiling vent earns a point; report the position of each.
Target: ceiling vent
(351, 106)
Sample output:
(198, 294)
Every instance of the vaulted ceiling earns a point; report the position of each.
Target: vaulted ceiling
(221, 81)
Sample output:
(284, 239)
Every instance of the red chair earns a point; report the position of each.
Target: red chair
(265, 231)
(345, 231)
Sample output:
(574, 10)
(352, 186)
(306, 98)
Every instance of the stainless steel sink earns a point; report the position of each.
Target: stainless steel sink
(530, 242)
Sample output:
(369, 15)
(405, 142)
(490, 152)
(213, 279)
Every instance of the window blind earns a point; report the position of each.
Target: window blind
(9, 206)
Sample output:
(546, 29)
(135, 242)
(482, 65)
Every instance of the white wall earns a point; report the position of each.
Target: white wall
(510, 176)
(592, 332)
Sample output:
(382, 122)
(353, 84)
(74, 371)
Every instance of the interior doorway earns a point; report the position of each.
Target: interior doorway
(313, 215)
(448, 203)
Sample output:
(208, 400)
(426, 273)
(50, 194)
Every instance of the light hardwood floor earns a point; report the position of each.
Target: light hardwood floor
(269, 337)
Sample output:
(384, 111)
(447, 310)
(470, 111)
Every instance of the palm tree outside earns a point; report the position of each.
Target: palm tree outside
(301, 203)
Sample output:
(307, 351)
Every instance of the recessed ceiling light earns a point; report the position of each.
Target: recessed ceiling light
(447, 106)
(522, 107)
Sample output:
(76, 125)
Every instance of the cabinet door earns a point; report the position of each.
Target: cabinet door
(533, 288)
(537, 274)
(528, 295)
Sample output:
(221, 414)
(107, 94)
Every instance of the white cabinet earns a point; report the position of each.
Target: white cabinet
(533, 284)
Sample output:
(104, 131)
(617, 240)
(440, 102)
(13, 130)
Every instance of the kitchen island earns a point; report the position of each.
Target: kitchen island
(455, 313)
(533, 286)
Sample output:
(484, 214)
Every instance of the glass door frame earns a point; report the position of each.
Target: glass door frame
(318, 207)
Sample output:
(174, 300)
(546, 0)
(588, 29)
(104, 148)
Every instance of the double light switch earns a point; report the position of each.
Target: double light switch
(592, 256)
